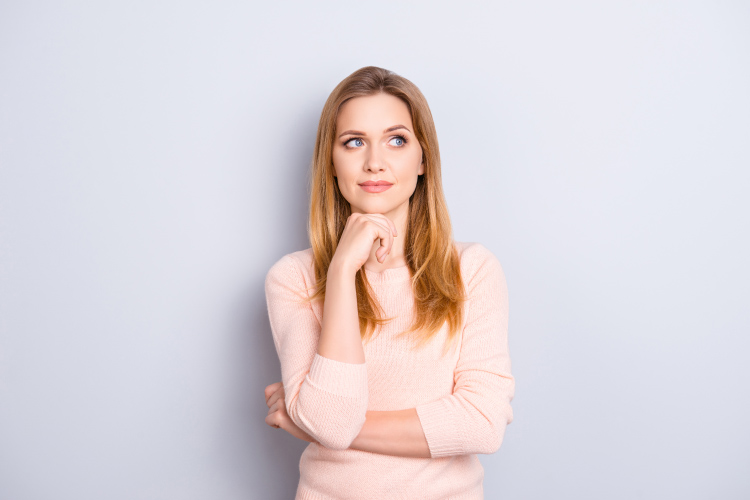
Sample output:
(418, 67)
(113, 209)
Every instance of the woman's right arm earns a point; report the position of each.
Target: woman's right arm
(323, 366)
(340, 337)
(324, 397)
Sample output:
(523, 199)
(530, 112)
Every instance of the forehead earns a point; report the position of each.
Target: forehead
(373, 113)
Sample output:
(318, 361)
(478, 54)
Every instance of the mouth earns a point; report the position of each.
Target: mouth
(375, 186)
(376, 183)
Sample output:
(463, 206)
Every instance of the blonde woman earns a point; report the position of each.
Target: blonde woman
(392, 337)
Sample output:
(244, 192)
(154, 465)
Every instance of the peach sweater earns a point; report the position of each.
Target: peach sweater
(462, 400)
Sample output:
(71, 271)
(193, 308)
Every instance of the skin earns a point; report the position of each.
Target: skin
(367, 147)
(393, 156)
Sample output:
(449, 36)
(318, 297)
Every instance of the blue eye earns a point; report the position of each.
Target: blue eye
(400, 138)
(358, 142)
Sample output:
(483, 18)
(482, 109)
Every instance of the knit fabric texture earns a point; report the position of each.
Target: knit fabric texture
(462, 399)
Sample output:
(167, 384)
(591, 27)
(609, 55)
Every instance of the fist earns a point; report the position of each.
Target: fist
(277, 416)
(361, 234)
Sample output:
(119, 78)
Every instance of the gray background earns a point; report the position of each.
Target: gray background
(153, 166)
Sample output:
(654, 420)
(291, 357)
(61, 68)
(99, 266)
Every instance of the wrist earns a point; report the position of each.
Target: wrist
(341, 270)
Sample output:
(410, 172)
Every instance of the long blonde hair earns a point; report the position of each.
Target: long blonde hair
(430, 253)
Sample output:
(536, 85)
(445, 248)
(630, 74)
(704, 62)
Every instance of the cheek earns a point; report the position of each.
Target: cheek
(342, 168)
(412, 165)
(340, 177)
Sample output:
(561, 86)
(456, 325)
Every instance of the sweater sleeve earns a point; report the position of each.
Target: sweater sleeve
(473, 419)
(324, 397)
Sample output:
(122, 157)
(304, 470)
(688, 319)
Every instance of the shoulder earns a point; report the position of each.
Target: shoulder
(295, 267)
(473, 251)
(477, 261)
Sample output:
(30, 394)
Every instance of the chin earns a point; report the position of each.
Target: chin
(375, 210)
(373, 206)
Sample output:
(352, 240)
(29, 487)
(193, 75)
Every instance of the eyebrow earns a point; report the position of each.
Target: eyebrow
(390, 129)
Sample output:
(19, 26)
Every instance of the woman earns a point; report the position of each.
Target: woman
(402, 374)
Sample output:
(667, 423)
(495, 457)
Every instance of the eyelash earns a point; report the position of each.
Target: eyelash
(394, 137)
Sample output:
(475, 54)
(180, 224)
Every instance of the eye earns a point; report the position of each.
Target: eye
(346, 144)
(400, 138)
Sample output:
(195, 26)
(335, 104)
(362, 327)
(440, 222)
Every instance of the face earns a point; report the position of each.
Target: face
(375, 142)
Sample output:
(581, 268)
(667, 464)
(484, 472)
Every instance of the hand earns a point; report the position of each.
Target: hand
(277, 416)
(362, 233)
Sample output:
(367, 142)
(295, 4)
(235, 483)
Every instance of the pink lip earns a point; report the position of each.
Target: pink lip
(375, 186)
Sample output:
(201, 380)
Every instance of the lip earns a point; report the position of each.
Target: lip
(375, 186)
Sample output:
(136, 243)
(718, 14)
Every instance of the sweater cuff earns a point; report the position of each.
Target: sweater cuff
(444, 437)
(337, 377)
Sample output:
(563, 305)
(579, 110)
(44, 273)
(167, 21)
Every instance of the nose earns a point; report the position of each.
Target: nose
(375, 161)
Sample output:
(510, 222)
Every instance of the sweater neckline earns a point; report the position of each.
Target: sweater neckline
(394, 274)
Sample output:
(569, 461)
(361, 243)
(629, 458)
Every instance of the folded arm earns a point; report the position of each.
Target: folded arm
(324, 397)
(474, 417)
(396, 433)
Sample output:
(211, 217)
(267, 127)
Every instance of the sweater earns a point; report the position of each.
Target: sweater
(462, 399)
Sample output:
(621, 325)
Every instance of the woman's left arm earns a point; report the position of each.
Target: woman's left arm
(397, 433)
(473, 419)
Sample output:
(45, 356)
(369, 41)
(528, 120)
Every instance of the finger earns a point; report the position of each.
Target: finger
(276, 396)
(383, 233)
(276, 415)
(391, 225)
(387, 242)
(394, 233)
(277, 388)
(271, 420)
(386, 235)
(270, 389)
(378, 219)
(275, 407)
(385, 245)
(272, 408)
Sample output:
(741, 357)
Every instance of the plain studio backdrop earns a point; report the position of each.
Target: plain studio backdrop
(154, 164)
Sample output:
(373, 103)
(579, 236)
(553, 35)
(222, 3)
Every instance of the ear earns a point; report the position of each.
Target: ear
(421, 167)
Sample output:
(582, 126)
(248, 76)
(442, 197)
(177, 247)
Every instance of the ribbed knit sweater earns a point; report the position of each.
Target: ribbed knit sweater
(462, 399)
